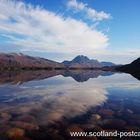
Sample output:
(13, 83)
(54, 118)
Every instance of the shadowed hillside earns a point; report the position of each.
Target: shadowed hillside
(132, 68)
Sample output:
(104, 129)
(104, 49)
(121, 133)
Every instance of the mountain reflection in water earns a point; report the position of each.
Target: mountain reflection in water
(19, 77)
(49, 104)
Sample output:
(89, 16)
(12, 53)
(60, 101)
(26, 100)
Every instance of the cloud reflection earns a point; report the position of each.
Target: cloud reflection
(57, 101)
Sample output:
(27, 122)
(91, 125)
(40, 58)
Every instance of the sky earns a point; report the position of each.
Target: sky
(107, 30)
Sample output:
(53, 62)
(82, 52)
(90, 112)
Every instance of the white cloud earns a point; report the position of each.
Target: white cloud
(89, 12)
(36, 29)
(118, 55)
(76, 5)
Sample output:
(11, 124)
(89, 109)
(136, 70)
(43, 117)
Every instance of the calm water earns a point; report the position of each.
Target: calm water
(48, 104)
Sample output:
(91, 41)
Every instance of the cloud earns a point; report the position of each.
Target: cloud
(89, 12)
(76, 5)
(119, 55)
(36, 29)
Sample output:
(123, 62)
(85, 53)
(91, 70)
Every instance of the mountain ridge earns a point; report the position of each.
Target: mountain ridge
(19, 60)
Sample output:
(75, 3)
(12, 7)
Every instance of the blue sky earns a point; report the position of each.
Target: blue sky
(101, 29)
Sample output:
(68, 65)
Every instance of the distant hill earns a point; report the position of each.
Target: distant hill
(107, 64)
(84, 62)
(19, 60)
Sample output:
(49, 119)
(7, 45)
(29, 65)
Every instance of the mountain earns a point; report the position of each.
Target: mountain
(132, 68)
(84, 62)
(19, 60)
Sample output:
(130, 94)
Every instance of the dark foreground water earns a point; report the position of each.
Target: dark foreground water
(48, 105)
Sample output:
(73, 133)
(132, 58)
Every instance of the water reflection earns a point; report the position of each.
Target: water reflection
(49, 104)
(68, 99)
